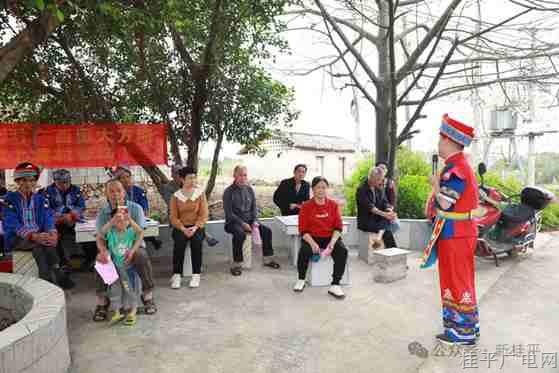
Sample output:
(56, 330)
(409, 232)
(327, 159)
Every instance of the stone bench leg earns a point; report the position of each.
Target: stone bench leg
(294, 247)
(390, 265)
(368, 244)
(187, 267)
(320, 273)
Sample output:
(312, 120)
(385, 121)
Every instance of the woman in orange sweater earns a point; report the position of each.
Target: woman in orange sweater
(188, 216)
(320, 225)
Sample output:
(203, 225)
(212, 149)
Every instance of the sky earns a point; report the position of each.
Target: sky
(326, 110)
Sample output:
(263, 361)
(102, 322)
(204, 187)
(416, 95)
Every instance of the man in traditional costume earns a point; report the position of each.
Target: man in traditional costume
(452, 207)
(29, 225)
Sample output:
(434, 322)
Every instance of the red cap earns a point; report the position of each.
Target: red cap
(456, 131)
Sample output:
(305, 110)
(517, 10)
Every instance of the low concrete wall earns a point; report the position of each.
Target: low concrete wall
(413, 234)
(38, 342)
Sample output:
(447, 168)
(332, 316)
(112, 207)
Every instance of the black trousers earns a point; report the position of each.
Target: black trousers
(388, 239)
(339, 255)
(179, 248)
(65, 233)
(239, 236)
(142, 264)
(46, 258)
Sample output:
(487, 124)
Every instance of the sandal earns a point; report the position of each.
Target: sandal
(116, 318)
(149, 306)
(130, 319)
(101, 313)
(272, 264)
(236, 271)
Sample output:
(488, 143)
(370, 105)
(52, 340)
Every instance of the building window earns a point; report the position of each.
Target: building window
(342, 168)
(320, 165)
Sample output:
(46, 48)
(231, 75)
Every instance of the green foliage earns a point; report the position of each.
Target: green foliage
(350, 188)
(509, 186)
(269, 212)
(550, 217)
(117, 61)
(413, 192)
(408, 163)
(412, 163)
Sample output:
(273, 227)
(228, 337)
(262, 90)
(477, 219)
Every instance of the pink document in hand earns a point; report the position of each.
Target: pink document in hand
(107, 272)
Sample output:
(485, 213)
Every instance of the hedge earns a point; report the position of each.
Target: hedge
(414, 188)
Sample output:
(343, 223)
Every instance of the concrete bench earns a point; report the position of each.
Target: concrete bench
(320, 273)
(368, 244)
(24, 264)
(390, 265)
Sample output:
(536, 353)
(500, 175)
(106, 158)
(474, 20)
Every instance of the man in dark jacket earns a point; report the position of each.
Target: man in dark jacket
(67, 203)
(374, 213)
(239, 203)
(292, 192)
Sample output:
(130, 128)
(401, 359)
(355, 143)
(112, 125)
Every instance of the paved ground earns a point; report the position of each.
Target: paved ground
(256, 323)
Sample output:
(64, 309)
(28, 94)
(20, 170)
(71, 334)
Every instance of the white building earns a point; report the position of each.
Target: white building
(329, 156)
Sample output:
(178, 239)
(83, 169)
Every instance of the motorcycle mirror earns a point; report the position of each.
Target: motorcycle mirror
(481, 169)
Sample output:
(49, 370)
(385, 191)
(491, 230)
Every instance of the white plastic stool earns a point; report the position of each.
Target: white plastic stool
(320, 273)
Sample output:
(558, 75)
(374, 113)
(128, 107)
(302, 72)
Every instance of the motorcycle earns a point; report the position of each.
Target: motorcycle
(508, 225)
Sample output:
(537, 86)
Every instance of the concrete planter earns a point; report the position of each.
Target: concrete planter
(38, 341)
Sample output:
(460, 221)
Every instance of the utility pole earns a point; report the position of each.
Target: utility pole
(477, 146)
(354, 107)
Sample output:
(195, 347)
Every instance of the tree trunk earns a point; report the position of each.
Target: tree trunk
(26, 41)
(3, 178)
(392, 84)
(195, 135)
(382, 113)
(156, 175)
(215, 165)
(382, 117)
(175, 150)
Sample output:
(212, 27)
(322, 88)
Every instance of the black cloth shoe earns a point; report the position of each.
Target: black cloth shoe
(211, 241)
(236, 271)
(443, 338)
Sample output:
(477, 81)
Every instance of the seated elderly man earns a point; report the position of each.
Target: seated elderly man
(116, 196)
(67, 203)
(239, 203)
(135, 194)
(29, 225)
(374, 213)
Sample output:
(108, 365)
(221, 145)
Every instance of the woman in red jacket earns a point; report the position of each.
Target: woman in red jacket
(320, 225)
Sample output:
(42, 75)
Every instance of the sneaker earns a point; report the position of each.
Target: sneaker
(445, 339)
(336, 291)
(195, 281)
(211, 241)
(299, 286)
(176, 281)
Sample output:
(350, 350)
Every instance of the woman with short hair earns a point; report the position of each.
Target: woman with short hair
(188, 216)
(320, 225)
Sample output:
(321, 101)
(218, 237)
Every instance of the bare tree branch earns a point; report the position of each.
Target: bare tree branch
(364, 65)
(440, 24)
(367, 35)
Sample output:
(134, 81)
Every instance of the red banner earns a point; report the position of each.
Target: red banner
(82, 145)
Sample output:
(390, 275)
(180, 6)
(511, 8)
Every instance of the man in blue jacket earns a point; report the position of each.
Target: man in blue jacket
(29, 225)
(67, 203)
